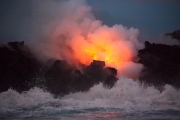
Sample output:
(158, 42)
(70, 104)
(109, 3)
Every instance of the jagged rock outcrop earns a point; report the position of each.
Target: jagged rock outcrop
(161, 65)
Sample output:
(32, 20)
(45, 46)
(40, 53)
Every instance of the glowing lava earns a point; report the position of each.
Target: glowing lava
(113, 51)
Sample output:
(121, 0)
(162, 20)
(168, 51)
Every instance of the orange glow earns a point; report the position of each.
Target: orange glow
(113, 52)
(78, 37)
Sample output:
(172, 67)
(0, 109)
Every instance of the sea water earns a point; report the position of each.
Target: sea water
(127, 100)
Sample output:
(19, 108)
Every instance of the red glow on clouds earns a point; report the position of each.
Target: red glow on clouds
(103, 45)
(78, 37)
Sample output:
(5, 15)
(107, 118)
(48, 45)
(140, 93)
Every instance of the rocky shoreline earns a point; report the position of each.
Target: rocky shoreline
(20, 70)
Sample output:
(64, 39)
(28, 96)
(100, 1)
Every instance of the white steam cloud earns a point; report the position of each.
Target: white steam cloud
(69, 28)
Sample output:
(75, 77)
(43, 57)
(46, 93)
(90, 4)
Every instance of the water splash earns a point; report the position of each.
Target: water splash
(127, 95)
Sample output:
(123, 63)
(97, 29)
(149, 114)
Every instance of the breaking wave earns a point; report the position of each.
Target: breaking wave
(127, 95)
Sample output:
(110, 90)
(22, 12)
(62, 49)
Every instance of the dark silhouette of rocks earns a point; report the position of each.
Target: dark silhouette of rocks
(20, 70)
(174, 35)
(110, 81)
(61, 78)
(161, 65)
(17, 67)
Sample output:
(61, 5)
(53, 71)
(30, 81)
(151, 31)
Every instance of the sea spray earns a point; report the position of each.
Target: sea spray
(127, 95)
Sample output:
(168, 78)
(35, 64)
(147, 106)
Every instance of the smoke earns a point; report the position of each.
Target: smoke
(71, 32)
(167, 40)
(162, 39)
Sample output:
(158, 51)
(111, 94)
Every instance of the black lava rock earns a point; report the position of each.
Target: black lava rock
(20, 70)
(17, 67)
(161, 65)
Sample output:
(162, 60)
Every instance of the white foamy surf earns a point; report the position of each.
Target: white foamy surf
(127, 95)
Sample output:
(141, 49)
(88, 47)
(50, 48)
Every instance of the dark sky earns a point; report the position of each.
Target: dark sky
(15, 19)
(151, 17)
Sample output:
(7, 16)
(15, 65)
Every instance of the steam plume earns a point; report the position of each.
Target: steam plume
(76, 36)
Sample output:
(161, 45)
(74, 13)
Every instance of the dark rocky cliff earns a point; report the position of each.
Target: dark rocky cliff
(161, 65)
(17, 67)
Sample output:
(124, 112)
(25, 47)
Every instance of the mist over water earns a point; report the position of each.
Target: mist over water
(127, 97)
